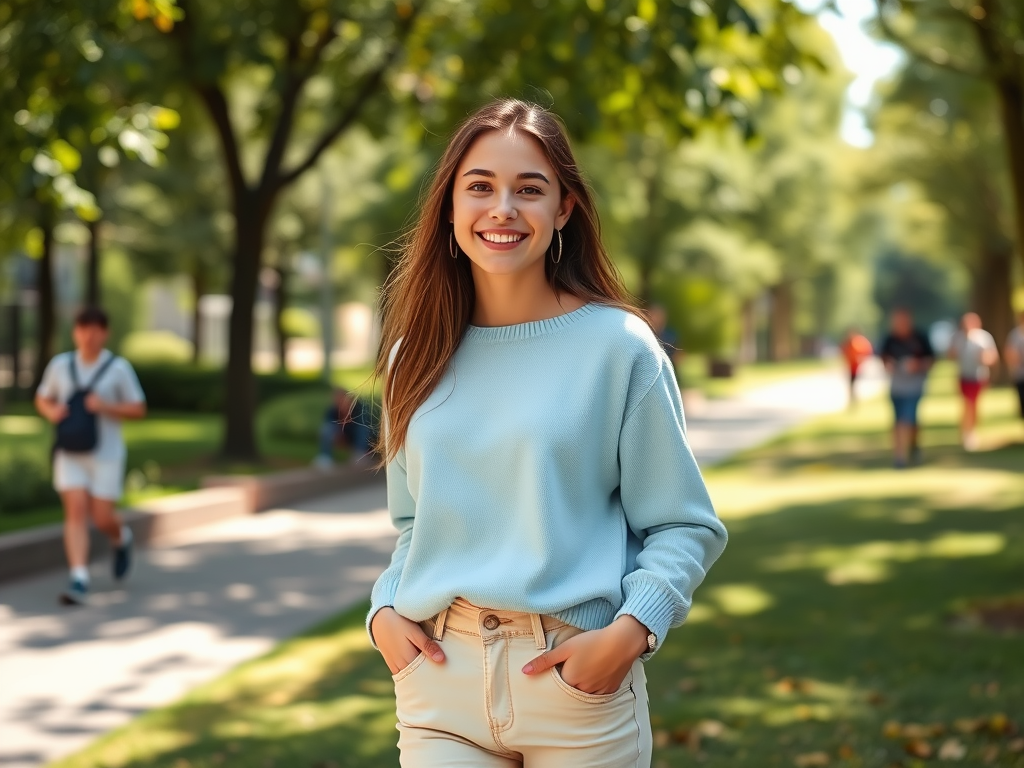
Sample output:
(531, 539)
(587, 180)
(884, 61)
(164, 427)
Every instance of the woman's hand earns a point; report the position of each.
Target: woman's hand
(400, 640)
(596, 662)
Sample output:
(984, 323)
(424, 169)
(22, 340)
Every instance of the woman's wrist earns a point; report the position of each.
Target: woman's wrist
(634, 635)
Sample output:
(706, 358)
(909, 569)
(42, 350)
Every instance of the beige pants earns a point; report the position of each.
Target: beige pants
(478, 709)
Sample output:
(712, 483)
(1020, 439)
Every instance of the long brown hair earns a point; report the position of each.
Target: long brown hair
(428, 300)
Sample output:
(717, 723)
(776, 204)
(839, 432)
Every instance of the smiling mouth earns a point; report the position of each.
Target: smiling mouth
(501, 239)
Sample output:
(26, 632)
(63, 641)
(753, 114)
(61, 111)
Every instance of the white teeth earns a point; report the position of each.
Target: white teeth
(495, 238)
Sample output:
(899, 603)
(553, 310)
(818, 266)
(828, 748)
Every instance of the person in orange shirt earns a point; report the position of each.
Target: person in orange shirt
(856, 349)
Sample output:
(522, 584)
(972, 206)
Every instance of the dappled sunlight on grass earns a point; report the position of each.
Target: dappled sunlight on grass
(21, 425)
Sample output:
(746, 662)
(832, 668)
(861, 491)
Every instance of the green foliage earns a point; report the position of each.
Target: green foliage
(296, 417)
(25, 482)
(201, 389)
(299, 323)
(148, 347)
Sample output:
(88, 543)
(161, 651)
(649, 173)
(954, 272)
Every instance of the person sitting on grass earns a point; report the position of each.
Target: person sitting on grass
(87, 393)
(346, 423)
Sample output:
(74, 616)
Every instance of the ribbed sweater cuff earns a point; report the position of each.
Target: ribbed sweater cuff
(383, 596)
(652, 606)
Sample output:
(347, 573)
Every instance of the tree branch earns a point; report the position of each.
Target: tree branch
(216, 103)
(292, 83)
(351, 114)
(893, 36)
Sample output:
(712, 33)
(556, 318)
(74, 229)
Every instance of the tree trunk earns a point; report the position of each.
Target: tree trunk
(748, 332)
(993, 290)
(780, 345)
(280, 301)
(46, 321)
(198, 291)
(240, 384)
(92, 266)
(1011, 102)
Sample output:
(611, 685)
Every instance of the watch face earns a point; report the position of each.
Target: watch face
(652, 641)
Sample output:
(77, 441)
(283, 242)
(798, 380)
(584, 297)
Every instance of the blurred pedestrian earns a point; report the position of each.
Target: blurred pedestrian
(856, 349)
(553, 522)
(908, 356)
(975, 351)
(346, 423)
(1015, 358)
(86, 394)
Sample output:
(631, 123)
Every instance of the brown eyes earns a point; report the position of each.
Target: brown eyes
(482, 187)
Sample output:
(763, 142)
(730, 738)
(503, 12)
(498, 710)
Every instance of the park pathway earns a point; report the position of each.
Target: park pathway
(199, 605)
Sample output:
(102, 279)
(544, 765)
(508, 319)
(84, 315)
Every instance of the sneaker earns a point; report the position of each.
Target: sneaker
(77, 593)
(123, 554)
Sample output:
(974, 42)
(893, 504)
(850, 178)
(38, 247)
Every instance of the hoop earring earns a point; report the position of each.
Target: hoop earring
(452, 247)
(553, 259)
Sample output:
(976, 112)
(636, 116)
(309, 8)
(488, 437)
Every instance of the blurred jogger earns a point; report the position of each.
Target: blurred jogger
(908, 356)
(975, 351)
(86, 394)
(856, 349)
(1015, 358)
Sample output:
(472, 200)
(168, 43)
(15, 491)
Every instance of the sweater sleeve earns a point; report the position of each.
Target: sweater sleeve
(403, 511)
(667, 506)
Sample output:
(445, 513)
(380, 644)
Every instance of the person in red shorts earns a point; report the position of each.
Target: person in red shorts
(856, 349)
(975, 351)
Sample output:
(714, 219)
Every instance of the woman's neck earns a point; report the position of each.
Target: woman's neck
(514, 299)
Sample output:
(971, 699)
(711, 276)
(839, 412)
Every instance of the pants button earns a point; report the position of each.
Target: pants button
(491, 621)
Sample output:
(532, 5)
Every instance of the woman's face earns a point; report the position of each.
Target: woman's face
(506, 204)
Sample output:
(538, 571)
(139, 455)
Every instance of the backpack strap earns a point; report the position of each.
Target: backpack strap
(74, 371)
(101, 371)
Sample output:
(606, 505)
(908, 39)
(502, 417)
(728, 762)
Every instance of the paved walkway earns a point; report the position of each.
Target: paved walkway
(228, 592)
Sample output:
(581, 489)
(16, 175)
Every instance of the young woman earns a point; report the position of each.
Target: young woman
(553, 523)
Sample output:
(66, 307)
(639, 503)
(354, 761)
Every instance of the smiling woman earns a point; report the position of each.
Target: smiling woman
(553, 522)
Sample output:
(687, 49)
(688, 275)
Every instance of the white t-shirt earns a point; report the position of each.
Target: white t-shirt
(970, 349)
(118, 384)
(1016, 342)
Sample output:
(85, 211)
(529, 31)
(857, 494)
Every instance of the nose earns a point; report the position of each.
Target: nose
(504, 209)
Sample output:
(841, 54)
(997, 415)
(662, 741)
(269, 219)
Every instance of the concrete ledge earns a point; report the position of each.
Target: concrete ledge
(273, 490)
(24, 553)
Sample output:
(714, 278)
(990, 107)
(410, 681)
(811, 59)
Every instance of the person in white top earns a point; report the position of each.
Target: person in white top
(1014, 352)
(91, 386)
(975, 351)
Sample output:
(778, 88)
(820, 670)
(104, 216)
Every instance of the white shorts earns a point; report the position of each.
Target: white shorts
(103, 479)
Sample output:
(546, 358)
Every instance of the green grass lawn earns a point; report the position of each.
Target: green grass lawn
(842, 627)
(693, 374)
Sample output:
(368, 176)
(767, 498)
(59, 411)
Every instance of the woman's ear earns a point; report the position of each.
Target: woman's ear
(564, 211)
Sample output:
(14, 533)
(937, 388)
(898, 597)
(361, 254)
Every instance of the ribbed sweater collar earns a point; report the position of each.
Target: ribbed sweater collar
(528, 330)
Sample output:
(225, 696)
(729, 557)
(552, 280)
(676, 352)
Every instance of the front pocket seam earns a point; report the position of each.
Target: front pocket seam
(412, 667)
(587, 698)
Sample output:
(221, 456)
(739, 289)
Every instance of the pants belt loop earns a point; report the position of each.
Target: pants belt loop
(538, 631)
(439, 624)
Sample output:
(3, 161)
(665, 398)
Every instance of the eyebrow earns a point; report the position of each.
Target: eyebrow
(492, 174)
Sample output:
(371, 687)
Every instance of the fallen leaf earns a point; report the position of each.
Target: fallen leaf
(918, 731)
(812, 760)
(990, 754)
(969, 724)
(680, 734)
(846, 752)
(999, 724)
(992, 689)
(1017, 745)
(892, 729)
(688, 685)
(918, 748)
(952, 749)
(661, 739)
(876, 699)
(713, 729)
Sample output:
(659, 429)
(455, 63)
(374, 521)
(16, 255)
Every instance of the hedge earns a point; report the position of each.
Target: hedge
(201, 389)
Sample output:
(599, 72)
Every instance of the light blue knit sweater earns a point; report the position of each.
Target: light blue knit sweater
(549, 473)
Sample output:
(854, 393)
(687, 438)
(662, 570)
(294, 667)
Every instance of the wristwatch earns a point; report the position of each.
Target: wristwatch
(652, 642)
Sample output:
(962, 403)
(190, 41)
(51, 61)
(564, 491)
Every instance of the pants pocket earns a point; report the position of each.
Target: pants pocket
(591, 698)
(411, 667)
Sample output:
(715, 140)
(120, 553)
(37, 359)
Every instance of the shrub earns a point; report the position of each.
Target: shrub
(201, 389)
(296, 417)
(300, 323)
(156, 347)
(25, 480)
